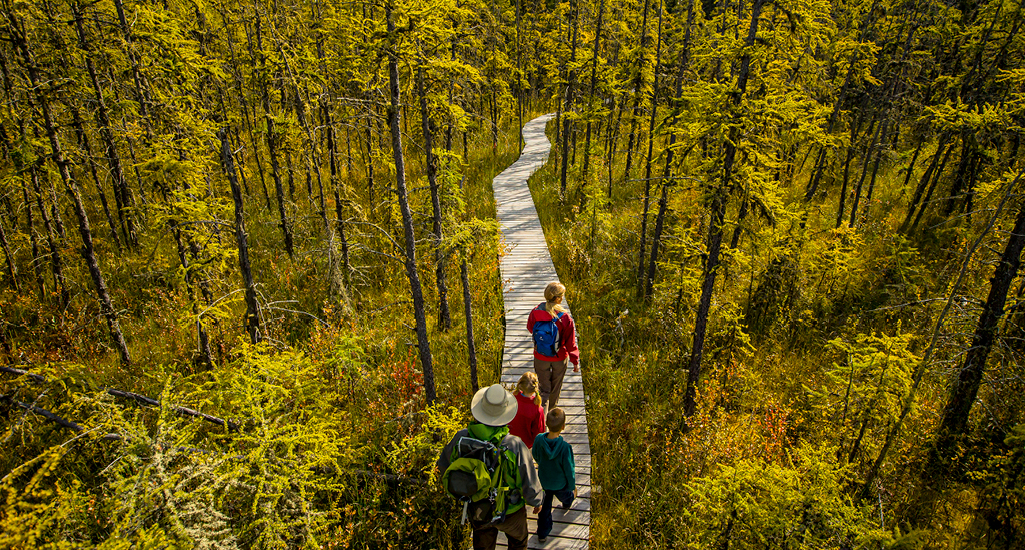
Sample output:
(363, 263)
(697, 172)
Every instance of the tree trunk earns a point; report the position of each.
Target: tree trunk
(570, 82)
(394, 121)
(279, 190)
(56, 262)
(924, 182)
(965, 389)
(13, 273)
(590, 95)
(638, 94)
(36, 264)
(644, 286)
(932, 186)
(440, 261)
(715, 226)
(252, 321)
(875, 172)
(647, 165)
(83, 138)
(841, 209)
(88, 251)
(869, 151)
(122, 192)
(464, 273)
(202, 338)
(332, 145)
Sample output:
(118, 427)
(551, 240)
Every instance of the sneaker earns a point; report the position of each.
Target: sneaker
(542, 540)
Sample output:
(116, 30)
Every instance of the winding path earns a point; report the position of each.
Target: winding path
(526, 269)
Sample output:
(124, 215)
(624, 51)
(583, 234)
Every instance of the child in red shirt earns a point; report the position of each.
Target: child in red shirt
(530, 417)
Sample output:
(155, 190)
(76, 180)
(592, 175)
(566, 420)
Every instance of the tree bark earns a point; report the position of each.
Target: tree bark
(644, 286)
(924, 182)
(647, 165)
(394, 122)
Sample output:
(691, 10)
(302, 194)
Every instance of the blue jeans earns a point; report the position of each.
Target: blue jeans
(544, 519)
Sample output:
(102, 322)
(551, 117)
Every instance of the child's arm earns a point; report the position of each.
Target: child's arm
(539, 422)
(571, 471)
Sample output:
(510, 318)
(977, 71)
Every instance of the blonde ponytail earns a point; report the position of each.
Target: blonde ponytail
(528, 384)
(553, 291)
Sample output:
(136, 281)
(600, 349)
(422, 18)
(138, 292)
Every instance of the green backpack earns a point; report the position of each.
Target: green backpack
(484, 476)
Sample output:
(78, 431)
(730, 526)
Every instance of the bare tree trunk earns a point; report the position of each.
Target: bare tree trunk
(332, 145)
(932, 186)
(202, 339)
(644, 286)
(923, 182)
(252, 307)
(394, 121)
(869, 150)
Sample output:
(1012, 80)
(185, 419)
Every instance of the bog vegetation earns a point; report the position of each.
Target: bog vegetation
(250, 265)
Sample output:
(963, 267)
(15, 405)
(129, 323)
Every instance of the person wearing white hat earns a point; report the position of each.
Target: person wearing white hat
(493, 408)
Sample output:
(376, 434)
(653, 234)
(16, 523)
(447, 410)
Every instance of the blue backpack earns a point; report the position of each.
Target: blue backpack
(546, 336)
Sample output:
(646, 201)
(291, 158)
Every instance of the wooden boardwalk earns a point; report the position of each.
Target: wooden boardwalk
(526, 269)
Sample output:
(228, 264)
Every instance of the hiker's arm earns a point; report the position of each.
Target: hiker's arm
(571, 345)
(531, 483)
(530, 321)
(446, 454)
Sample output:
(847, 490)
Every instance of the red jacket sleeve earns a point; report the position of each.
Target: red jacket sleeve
(569, 344)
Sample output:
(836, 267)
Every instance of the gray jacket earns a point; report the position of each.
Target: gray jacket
(531, 485)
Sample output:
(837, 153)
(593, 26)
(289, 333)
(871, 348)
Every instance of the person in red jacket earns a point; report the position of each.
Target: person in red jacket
(530, 417)
(551, 369)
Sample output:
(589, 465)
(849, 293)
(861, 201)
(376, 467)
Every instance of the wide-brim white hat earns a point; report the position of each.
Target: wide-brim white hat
(493, 405)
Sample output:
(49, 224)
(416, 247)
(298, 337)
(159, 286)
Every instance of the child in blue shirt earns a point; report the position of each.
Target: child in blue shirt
(555, 469)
